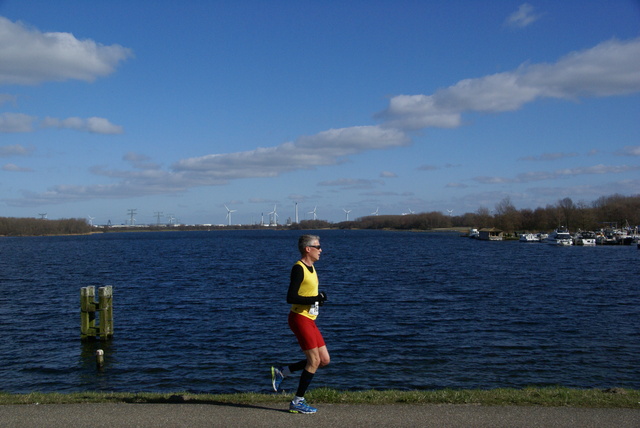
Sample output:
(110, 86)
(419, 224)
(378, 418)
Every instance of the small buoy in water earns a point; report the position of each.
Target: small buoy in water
(99, 358)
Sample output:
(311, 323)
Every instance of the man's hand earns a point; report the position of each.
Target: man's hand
(322, 297)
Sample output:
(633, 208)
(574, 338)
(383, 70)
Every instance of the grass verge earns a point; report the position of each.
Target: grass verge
(551, 397)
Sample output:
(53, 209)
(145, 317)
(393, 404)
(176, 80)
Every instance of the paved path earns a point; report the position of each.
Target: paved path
(329, 415)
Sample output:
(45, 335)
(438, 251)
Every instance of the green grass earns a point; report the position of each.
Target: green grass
(551, 397)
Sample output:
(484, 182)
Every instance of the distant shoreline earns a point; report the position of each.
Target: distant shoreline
(461, 230)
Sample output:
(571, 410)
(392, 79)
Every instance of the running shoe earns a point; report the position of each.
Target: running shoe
(276, 377)
(301, 407)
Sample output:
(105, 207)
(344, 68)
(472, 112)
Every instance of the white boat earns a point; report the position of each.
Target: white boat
(474, 233)
(610, 237)
(585, 238)
(529, 237)
(560, 237)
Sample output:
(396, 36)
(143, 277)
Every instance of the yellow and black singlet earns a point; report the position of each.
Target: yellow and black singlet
(303, 289)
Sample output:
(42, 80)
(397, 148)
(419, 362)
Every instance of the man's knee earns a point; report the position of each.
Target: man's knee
(314, 361)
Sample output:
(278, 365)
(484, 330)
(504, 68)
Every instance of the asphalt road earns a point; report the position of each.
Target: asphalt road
(329, 415)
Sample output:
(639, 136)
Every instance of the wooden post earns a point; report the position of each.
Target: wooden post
(87, 312)
(88, 308)
(106, 312)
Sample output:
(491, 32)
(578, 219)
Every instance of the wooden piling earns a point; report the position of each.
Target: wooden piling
(87, 312)
(106, 312)
(89, 330)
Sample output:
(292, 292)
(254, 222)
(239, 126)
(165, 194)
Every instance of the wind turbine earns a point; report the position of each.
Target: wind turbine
(410, 212)
(90, 220)
(375, 212)
(275, 215)
(315, 217)
(450, 212)
(229, 215)
(347, 213)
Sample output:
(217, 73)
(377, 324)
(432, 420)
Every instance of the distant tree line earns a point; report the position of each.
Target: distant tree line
(604, 212)
(11, 226)
(312, 224)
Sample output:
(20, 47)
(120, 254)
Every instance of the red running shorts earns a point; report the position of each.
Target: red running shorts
(306, 331)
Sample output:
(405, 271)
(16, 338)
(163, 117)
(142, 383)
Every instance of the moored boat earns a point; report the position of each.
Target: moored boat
(474, 233)
(585, 238)
(611, 237)
(560, 237)
(529, 237)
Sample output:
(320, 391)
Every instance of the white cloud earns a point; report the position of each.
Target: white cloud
(527, 177)
(598, 169)
(10, 167)
(16, 122)
(7, 98)
(388, 174)
(629, 151)
(99, 125)
(95, 125)
(130, 184)
(419, 111)
(436, 167)
(493, 180)
(307, 152)
(325, 148)
(140, 161)
(456, 186)
(28, 56)
(351, 183)
(549, 156)
(135, 157)
(589, 191)
(15, 150)
(610, 68)
(336, 143)
(523, 17)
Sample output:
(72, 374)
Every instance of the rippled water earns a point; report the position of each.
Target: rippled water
(206, 312)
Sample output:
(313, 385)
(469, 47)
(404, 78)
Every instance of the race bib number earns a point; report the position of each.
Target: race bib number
(315, 309)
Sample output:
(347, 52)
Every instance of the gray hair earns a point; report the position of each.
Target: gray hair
(306, 241)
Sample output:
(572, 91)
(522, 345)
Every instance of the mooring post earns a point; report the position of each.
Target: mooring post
(88, 308)
(99, 359)
(87, 312)
(106, 312)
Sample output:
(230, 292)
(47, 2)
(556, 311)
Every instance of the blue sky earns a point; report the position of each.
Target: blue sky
(181, 108)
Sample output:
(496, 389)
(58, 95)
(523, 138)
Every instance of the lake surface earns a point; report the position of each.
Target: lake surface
(205, 312)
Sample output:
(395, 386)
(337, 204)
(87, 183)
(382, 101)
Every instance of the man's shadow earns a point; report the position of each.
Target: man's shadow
(181, 399)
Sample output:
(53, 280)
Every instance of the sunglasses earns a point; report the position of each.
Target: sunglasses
(317, 247)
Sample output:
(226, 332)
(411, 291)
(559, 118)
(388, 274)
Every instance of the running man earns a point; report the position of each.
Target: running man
(305, 301)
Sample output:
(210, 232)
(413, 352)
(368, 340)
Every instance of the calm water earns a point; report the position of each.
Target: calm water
(206, 312)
